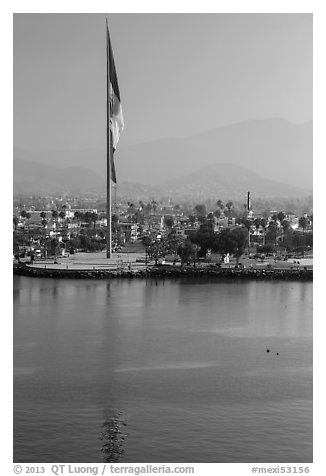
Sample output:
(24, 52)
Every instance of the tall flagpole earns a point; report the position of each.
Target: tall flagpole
(108, 148)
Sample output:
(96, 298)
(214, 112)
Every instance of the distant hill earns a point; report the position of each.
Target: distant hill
(219, 181)
(35, 178)
(227, 181)
(273, 148)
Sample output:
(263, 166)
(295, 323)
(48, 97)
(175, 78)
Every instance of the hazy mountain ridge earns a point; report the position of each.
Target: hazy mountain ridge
(274, 148)
(36, 178)
(228, 181)
(225, 181)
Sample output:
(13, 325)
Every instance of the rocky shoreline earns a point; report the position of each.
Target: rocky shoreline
(166, 272)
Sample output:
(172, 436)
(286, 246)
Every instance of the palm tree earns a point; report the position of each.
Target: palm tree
(131, 209)
(311, 218)
(148, 208)
(192, 219)
(54, 215)
(280, 216)
(273, 231)
(77, 216)
(168, 221)
(28, 217)
(146, 242)
(154, 205)
(88, 217)
(62, 215)
(44, 223)
(229, 206)
(303, 222)
(285, 227)
(94, 218)
(263, 224)
(247, 224)
(257, 223)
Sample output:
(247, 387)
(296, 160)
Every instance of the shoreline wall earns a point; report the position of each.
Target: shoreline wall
(163, 272)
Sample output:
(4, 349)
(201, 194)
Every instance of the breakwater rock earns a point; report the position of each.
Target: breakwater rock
(165, 272)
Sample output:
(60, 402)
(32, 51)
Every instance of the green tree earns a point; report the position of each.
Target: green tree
(286, 231)
(54, 216)
(186, 250)
(146, 240)
(148, 208)
(168, 221)
(77, 217)
(263, 224)
(157, 249)
(52, 247)
(28, 217)
(233, 241)
(303, 222)
(192, 219)
(272, 232)
(205, 238)
(87, 217)
(115, 223)
(173, 241)
(285, 225)
(257, 223)
(138, 217)
(240, 239)
(94, 218)
(247, 223)
(280, 216)
(15, 222)
(311, 218)
(229, 206)
(154, 206)
(200, 210)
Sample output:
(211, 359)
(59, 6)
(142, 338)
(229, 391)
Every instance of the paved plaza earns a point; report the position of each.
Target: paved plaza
(88, 261)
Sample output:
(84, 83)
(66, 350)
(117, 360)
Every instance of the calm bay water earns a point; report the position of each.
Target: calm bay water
(185, 362)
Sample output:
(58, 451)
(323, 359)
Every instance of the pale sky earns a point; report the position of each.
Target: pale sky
(179, 74)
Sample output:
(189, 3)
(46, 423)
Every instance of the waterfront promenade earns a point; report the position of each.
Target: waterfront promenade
(90, 261)
(137, 261)
(98, 266)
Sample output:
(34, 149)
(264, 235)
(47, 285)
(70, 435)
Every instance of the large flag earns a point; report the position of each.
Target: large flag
(116, 116)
